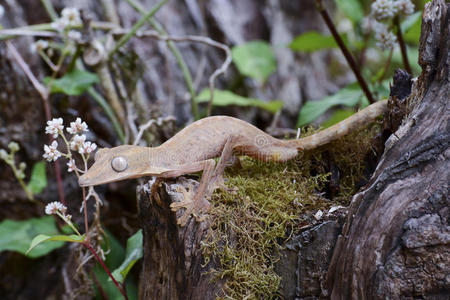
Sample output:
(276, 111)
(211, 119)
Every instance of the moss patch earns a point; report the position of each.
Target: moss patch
(269, 204)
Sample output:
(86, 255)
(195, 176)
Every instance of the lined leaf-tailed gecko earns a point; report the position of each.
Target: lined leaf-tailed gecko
(194, 149)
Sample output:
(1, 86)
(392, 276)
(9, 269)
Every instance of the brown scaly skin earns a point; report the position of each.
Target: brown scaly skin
(194, 148)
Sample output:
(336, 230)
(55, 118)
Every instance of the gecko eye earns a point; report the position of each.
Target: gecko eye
(119, 164)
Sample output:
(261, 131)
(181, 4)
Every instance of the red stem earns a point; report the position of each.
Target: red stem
(348, 56)
(402, 44)
(119, 287)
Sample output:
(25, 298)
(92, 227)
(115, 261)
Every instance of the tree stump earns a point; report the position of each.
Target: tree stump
(173, 265)
(395, 242)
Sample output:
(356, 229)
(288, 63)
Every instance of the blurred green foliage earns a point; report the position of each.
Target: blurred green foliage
(18, 235)
(255, 59)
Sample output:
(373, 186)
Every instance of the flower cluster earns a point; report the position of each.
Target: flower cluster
(384, 11)
(9, 159)
(385, 39)
(51, 152)
(54, 127)
(77, 143)
(70, 17)
(53, 207)
(405, 7)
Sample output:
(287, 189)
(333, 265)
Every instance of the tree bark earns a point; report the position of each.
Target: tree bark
(395, 242)
(173, 266)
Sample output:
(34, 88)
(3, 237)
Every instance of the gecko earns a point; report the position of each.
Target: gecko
(196, 147)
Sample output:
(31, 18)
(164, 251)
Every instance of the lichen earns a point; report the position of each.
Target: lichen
(268, 204)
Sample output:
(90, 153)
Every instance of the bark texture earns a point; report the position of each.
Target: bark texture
(173, 266)
(395, 242)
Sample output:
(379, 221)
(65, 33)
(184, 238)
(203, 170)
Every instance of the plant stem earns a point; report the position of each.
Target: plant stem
(348, 56)
(178, 57)
(45, 94)
(109, 112)
(135, 28)
(100, 261)
(386, 66)
(50, 9)
(402, 44)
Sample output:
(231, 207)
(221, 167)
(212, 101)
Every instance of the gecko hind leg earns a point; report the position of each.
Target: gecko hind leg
(196, 205)
(211, 179)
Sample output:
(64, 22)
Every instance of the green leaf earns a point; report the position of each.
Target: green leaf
(226, 98)
(254, 59)
(113, 260)
(412, 27)
(312, 41)
(133, 254)
(17, 235)
(38, 180)
(352, 9)
(348, 96)
(73, 83)
(338, 116)
(46, 238)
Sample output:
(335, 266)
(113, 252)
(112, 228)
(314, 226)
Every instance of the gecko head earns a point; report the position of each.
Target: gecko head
(120, 163)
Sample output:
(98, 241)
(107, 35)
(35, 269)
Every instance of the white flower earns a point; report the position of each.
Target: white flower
(77, 142)
(77, 127)
(71, 15)
(39, 46)
(74, 35)
(60, 24)
(87, 148)
(54, 207)
(383, 9)
(385, 38)
(51, 152)
(54, 127)
(404, 7)
(71, 166)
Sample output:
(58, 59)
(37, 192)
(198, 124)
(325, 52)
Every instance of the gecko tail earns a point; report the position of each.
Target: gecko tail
(352, 123)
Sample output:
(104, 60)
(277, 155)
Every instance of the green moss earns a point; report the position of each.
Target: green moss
(250, 225)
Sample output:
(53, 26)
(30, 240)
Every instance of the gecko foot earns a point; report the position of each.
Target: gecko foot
(196, 206)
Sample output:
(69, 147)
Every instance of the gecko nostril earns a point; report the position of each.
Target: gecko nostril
(119, 164)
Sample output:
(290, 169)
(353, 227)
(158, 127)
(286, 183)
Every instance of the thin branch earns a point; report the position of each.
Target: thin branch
(109, 112)
(50, 9)
(118, 285)
(135, 28)
(178, 57)
(44, 93)
(348, 56)
(26, 32)
(386, 66)
(402, 44)
(42, 90)
(110, 11)
(144, 127)
(197, 39)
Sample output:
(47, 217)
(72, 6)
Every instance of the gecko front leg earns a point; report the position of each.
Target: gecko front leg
(212, 174)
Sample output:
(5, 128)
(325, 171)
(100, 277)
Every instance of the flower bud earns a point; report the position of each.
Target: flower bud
(13, 146)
